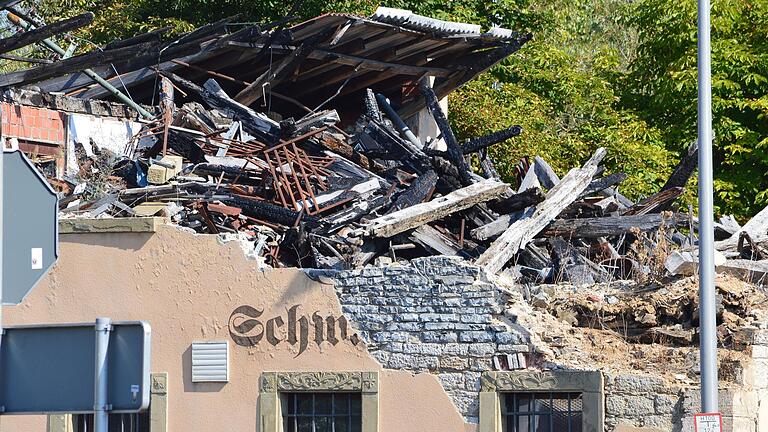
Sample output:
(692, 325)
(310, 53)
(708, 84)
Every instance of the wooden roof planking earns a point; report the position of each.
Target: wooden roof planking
(332, 55)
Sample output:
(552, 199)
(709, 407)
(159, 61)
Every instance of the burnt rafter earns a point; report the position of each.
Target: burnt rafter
(23, 39)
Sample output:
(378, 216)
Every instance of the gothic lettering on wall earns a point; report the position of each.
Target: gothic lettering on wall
(247, 328)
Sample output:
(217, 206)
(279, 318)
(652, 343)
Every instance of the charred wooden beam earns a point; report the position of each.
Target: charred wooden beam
(23, 39)
(281, 71)
(209, 30)
(154, 35)
(498, 226)
(454, 151)
(523, 231)
(487, 165)
(447, 173)
(25, 59)
(517, 201)
(372, 109)
(420, 214)
(603, 183)
(8, 3)
(75, 64)
(610, 226)
(476, 144)
(656, 203)
(330, 142)
(256, 124)
(417, 192)
(684, 169)
(266, 211)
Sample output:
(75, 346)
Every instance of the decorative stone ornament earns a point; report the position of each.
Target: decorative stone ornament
(272, 384)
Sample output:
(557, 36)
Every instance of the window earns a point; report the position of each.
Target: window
(541, 412)
(541, 401)
(319, 401)
(117, 422)
(321, 412)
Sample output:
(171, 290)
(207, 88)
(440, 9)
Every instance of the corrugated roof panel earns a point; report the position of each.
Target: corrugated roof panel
(407, 19)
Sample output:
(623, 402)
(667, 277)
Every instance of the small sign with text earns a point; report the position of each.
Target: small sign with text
(708, 422)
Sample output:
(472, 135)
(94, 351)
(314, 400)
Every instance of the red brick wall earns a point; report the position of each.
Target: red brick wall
(33, 124)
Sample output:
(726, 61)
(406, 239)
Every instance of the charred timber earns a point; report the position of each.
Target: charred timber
(684, 169)
(477, 144)
(603, 183)
(610, 226)
(269, 212)
(455, 154)
(518, 201)
(23, 39)
(154, 35)
(417, 192)
(76, 64)
(657, 202)
(250, 121)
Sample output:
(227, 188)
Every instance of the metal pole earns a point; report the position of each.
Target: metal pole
(100, 408)
(53, 46)
(707, 324)
(399, 123)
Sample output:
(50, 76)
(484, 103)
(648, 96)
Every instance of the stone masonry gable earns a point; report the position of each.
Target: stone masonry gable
(438, 315)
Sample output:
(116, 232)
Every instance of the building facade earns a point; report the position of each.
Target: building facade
(420, 347)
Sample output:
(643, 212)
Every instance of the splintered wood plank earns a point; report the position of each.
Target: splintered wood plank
(610, 226)
(419, 214)
(523, 231)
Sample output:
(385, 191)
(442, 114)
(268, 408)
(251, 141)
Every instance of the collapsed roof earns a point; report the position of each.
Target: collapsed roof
(333, 55)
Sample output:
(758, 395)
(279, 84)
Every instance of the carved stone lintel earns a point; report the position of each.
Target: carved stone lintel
(366, 382)
(542, 380)
(159, 383)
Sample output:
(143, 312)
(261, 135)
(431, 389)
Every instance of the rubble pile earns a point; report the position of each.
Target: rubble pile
(228, 144)
(629, 326)
(654, 313)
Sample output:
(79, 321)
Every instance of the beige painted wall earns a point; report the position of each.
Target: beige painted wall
(186, 287)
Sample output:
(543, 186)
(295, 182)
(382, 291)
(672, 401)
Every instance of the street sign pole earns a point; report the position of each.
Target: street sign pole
(101, 376)
(707, 309)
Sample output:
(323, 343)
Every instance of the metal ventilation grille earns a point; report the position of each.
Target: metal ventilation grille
(210, 361)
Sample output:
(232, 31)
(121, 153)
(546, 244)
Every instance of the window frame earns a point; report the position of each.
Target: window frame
(273, 384)
(494, 385)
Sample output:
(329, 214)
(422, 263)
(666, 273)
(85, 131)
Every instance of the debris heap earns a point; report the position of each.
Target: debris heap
(348, 182)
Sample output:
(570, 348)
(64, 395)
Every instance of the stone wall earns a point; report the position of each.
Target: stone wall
(443, 316)
(641, 401)
(438, 314)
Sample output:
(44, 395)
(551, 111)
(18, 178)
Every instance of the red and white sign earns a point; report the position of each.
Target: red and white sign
(708, 422)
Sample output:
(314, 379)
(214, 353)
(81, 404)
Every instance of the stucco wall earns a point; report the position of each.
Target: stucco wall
(187, 287)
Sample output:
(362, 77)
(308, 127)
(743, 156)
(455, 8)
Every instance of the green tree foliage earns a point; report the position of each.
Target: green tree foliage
(662, 86)
(559, 88)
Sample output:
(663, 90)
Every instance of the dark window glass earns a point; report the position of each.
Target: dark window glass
(321, 412)
(541, 412)
(117, 422)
